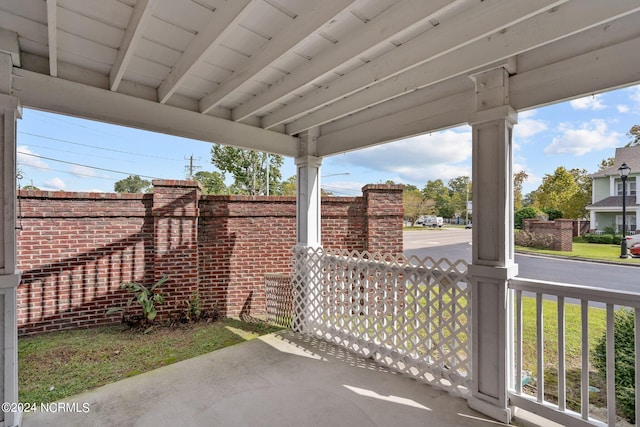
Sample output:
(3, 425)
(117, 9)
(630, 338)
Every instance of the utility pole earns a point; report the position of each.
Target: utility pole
(191, 167)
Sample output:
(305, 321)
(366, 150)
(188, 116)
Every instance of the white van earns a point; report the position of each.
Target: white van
(433, 221)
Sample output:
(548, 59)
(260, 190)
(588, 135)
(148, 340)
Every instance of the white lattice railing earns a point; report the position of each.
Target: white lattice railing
(550, 303)
(409, 314)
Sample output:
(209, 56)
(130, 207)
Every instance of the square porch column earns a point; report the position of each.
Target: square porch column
(493, 253)
(305, 281)
(10, 111)
(308, 166)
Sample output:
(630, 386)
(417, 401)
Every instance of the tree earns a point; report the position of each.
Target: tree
(414, 204)
(566, 191)
(248, 168)
(634, 134)
(212, 182)
(437, 192)
(607, 163)
(518, 181)
(131, 184)
(290, 186)
(459, 193)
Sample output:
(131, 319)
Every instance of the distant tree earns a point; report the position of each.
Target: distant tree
(460, 190)
(436, 191)
(518, 180)
(607, 163)
(529, 199)
(30, 187)
(415, 204)
(212, 182)
(634, 134)
(248, 169)
(290, 186)
(132, 184)
(565, 191)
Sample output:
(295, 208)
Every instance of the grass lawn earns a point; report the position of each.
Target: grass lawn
(60, 364)
(573, 348)
(585, 250)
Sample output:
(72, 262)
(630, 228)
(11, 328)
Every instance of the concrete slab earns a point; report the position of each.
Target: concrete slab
(282, 379)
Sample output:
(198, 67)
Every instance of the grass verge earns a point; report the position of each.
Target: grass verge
(581, 249)
(61, 364)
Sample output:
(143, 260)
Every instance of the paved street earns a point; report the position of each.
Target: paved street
(456, 244)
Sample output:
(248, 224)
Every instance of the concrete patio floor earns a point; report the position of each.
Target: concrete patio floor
(282, 379)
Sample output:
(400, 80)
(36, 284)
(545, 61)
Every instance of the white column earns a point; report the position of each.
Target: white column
(9, 276)
(493, 254)
(308, 197)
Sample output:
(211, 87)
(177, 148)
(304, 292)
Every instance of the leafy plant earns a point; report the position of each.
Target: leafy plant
(624, 355)
(147, 298)
(194, 308)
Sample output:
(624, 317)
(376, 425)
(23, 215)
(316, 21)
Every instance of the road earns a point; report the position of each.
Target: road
(456, 244)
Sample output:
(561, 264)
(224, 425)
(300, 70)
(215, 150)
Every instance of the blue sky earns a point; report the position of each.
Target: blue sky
(64, 153)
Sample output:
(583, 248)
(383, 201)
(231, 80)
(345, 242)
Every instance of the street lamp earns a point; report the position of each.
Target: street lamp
(624, 172)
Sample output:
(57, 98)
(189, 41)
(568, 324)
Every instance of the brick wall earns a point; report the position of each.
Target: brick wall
(560, 229)
(74, 249)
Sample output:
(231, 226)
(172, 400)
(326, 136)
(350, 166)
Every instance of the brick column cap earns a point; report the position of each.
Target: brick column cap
(176, 183)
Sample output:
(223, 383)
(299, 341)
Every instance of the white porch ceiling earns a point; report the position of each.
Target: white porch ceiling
(256, 73)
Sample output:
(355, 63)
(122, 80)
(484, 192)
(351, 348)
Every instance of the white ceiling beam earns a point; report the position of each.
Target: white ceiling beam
(397, 18)
(304, 24)
(52, 31)
(546, 28)
(568, 79)
(577, 76)
(224, 20)
(132, 35)
(65, 97)
(479, 21)
(447, 112)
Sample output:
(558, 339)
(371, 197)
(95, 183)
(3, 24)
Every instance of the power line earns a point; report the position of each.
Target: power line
(86, 166)
(79, 154)
(97, 147)
(70, 173)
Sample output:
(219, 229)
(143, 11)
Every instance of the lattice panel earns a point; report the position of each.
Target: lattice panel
(279, 298)
(409, 314)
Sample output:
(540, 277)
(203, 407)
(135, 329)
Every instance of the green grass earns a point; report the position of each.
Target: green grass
(60, 364)
(581, 249)
(573, 348)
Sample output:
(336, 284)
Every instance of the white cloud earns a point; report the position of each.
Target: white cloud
(578, 141)
(54, 184)
(634, 96)
(527, 128)
(24, 158)
(418, 159)
(591, 102)
(622, 108)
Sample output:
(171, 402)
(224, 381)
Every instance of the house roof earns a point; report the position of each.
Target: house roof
(258, 73)
(614, 202)
(628, 155)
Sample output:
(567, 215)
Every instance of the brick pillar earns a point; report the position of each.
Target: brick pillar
(175, 213)
(384, 213)
(564, 233)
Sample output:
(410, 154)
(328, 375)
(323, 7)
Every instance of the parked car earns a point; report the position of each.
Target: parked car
(635, 251)
(633, 240)
(468, 226)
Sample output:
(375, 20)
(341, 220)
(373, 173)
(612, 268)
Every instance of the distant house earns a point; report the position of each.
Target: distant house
(606, 207)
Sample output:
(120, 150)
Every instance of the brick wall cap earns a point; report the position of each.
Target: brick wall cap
(176, 183)
(383, 187)
(39, 194)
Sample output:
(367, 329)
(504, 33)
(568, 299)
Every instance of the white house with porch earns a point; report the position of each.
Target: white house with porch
(607, 191)
(310, 79)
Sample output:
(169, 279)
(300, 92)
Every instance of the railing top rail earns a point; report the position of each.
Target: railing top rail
(589, 293)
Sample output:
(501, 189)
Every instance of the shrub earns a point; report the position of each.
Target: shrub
(624, 354)
(605, 239)
(533, 240)
(526, 213)
(553, 213)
